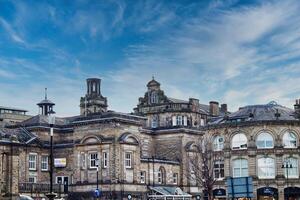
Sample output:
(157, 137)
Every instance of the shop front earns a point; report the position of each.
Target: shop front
(292, 193)
(267, 193)
(219, 194)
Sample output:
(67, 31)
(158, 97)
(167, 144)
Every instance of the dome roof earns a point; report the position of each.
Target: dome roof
(152, 83)
(46, 102)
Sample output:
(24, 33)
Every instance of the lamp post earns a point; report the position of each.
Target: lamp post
(287, 165)
(51, 194)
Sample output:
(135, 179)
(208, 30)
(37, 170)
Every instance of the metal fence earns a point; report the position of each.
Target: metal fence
(39, 188)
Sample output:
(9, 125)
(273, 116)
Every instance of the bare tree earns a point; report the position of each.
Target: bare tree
(201, 162)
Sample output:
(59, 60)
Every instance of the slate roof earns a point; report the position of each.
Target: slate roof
(12, 108)
(20, 134)
(265, 112)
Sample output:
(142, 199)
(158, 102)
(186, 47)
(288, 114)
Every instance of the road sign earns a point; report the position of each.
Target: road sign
(97, 193)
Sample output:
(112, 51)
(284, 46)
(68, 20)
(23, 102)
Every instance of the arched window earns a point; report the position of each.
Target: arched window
(239, 141)
(161, 176)
(218, 143)
(289, 140)
(240, 168)
(266, 167)
(264, 140)
(292, 170)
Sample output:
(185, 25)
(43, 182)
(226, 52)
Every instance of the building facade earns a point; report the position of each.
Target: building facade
(147, 154)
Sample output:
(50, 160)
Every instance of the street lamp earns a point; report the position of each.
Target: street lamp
(287, 165)
(97, 165)
(51, 116)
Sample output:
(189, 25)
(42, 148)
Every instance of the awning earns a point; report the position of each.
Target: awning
(166, 193)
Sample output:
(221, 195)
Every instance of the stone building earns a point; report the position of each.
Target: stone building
(146, 154)
(10, 115)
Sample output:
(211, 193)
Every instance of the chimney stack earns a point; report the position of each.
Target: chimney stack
(214, 108)
(194, 104)
(224, 108)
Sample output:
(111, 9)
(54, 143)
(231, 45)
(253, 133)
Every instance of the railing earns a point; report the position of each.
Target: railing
(39, 188)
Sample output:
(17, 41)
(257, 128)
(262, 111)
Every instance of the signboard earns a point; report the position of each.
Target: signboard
(219, 192)
(239, 187)
(60, 162)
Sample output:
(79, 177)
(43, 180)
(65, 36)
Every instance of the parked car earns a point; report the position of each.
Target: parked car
(25, 197)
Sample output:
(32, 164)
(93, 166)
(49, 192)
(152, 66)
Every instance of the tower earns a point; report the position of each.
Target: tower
(93, 101)
(46, 106)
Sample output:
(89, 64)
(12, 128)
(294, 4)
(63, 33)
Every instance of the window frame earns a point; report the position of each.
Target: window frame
(31, 161)
(175, 178)
(284, 140)
(289, 169)
(128, 161)
(34, 179)
(143, 177)
(235, 142)
(240, 168)
(217, 145)
(94, 160)
(266, 167)
(220, 169)
(105, 158)
(264, 140)
(43, 162)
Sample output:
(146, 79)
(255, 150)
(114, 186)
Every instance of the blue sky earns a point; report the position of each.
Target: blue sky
(235, 52)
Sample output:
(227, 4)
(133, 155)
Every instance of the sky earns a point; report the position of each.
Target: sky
(235, 52)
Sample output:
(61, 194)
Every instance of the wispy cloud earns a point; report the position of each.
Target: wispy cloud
(11, 32)
(230, 51)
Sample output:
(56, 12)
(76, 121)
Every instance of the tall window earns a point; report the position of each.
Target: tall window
(128, 160)
(266, 167)
(239, 141)
(240, 168)
(175, 178)
(264, 140)
(105, 159)
(153, 98)
(289, 140)
(93, 160)
(219, 169)
(154, 122)
(218, 143)
(143, 177)
(294, 171)
(161, 175)
(32, 161)
(44, 163)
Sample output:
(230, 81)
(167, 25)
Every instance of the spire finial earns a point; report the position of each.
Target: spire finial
(152, 77)
(46, 93)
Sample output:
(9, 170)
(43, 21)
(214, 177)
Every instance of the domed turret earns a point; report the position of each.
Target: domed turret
(46, 106)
